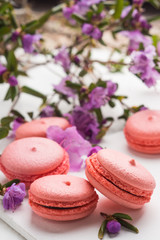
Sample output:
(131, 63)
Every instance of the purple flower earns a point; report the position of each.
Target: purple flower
(136, 21)
(73, 143)
(85, 123)
(136, 37)
(96, 34)
(13, 196)
(47, 112)
(91, 31)
(143, 108)
(87, 28)
(2, 69)
(67, 12)
(99, 96)
(111, 88)
(94, 150)
(63, 58)
(14, 36)
(62, 88)
(143, 65)
(12, 80)
(126, 11)
(28, 42)
(113, 226)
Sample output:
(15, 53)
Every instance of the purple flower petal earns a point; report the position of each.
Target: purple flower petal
(28, 41)
(113, 226)
(47, 112)
(14, 196)
(12, 80)
(2, 69)
(62, 88)
(55, 133)
(72, 142)
(63, 58)
(94, 150)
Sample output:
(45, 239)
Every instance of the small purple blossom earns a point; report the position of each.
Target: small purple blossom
(14, 196)
(94, 150)
(111, 88)
(47, 112)
(28, 42)
(137, 21)
(99, 96)
(136, 37)
(63, 58)
(143, 65)
(96, 34)
(91, 31)
(73, 143)
(143, 108)
(87, 28)
(14, 36)
(12, 80)
(62, 88)
(113, 226)
(91, 2)
(85, 123)
(2, 69)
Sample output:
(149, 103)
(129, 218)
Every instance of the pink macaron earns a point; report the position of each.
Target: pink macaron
(62, 197)
(38, 127)
(120, 178)
(142, 131)
(30, 158)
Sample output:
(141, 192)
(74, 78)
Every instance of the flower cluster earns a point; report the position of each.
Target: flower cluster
(143, 65)
(11, 79)
(112, 224)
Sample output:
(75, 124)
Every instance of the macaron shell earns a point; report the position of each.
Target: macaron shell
(63, 188)
(63, 168)
(31, 156)
(111, 195)
(144, 125)
(38, 127)
(121, 166)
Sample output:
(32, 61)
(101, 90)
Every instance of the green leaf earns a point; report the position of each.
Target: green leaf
(111, 104)
(4, 7)
(122, 215)
(118, 8)
(79, 18)
(127, 225)
(73, 85)
(30, 114)
(16, 113)
(155, 3)
(5, 122)
(8, 184)
(102, 42)
(3, 132)
(101, 83)
(11, 93)
(4, 30)
(89, 15)
(11, 61)
(102, 229)
(33, 92)
(155, 40)
(99, 115)
(100, 8)
(82, 73)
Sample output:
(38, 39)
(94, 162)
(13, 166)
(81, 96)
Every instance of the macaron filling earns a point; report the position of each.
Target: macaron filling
(113, 184)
